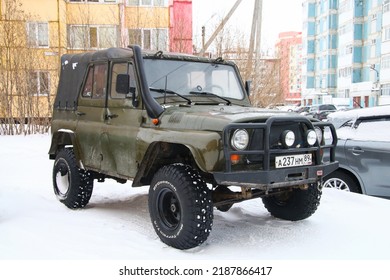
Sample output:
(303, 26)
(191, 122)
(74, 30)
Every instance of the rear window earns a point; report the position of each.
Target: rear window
(327, 107)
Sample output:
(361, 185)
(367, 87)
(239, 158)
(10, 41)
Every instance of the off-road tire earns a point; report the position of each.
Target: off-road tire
(294, 205)
(342, 181)
(180, 206)
(72, 185)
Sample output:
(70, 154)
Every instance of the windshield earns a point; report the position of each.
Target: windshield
(189, 78)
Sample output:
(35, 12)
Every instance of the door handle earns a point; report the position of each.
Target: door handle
(111, 116)
(357, 151)
(80, 113)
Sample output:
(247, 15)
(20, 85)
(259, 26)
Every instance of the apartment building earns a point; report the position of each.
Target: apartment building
(289, 51)
(346, 52)
(35, 33)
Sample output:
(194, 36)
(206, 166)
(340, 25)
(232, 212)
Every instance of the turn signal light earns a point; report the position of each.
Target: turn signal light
(234, 159)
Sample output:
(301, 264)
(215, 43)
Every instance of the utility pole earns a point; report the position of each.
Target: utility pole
(206, 45)
(255, 38)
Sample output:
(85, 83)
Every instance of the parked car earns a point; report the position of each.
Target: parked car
(303, 110)
(363, 152)
(283, 107)
(341, 117)
(321, 111)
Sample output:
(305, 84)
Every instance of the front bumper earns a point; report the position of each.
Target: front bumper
(270, 179)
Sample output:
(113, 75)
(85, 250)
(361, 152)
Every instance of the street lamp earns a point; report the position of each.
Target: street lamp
(376, 88)
(372, 67)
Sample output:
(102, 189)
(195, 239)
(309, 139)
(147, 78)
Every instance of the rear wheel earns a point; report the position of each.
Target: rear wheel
(72, 185)
(294, 205)
(341, 181)
(180, 206)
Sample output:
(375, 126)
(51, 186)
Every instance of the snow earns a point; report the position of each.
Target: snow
(341, 117)
(116, 224)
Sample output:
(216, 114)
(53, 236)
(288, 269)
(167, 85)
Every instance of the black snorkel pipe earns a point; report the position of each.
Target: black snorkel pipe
(152, 107)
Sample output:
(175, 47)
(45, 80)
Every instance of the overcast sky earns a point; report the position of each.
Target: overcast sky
(278, 16)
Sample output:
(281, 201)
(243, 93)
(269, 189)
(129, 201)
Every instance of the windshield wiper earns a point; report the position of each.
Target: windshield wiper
(228, 102)
(168, 91)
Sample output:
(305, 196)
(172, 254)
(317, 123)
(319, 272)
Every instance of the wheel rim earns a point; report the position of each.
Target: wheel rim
(62, 179)
(337, 183)
(169, 209)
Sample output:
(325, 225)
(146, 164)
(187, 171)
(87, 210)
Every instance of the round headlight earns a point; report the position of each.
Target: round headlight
(319, 134)
(240, 139)
(288, 138)
(311, 137)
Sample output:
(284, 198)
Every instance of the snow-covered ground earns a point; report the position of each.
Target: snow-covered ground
(116, 225)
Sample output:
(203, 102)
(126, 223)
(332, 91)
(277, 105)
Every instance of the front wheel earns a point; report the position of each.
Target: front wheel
(180, 206)
(72, 185)
(294, 205)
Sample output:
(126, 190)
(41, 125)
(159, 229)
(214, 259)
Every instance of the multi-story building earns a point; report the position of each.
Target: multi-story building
(35, 33)
(346, 52)
(289, 51)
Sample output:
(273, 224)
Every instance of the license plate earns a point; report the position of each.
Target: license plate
(293, 160)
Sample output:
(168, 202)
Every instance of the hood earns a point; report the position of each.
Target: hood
(213, 118)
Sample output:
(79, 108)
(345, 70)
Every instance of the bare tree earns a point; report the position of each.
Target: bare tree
(12, 48)
(266, 83)
(22, 108)
(264, 75)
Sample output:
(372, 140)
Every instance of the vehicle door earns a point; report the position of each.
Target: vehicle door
(91, 112)
(368, 154)
(122, 122)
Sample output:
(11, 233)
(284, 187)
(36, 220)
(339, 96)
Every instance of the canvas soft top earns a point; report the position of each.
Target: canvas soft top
(73, 71)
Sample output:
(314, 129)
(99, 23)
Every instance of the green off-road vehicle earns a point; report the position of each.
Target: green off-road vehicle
(183, 125)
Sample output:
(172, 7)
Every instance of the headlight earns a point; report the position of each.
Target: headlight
(319, 134)
(240, 139)
(311, 137)
(288, 138)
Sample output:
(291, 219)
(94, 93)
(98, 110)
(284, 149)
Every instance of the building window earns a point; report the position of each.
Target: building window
(156, 3)
(38, 34)
(345, 6)
(39, 83)
(386, 6)
(346, 28)
(385, 64)
(92, 37)
(348, 49)
(386, 33)
(385, 89)
(149, 39)
(345, 72)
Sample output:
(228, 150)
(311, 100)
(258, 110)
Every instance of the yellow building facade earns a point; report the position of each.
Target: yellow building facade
(35, 33)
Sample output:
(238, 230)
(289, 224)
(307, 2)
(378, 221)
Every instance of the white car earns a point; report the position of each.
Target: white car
(341, 117)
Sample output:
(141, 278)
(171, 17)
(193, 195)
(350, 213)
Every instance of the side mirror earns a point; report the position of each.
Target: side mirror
(122, 83)
(248, 87)
(123, 87)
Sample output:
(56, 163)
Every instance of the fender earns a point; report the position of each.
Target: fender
(346, 169)
(205, 146)
(63, 138)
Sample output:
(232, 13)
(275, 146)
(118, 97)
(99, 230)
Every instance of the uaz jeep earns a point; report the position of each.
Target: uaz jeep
(183, 125)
